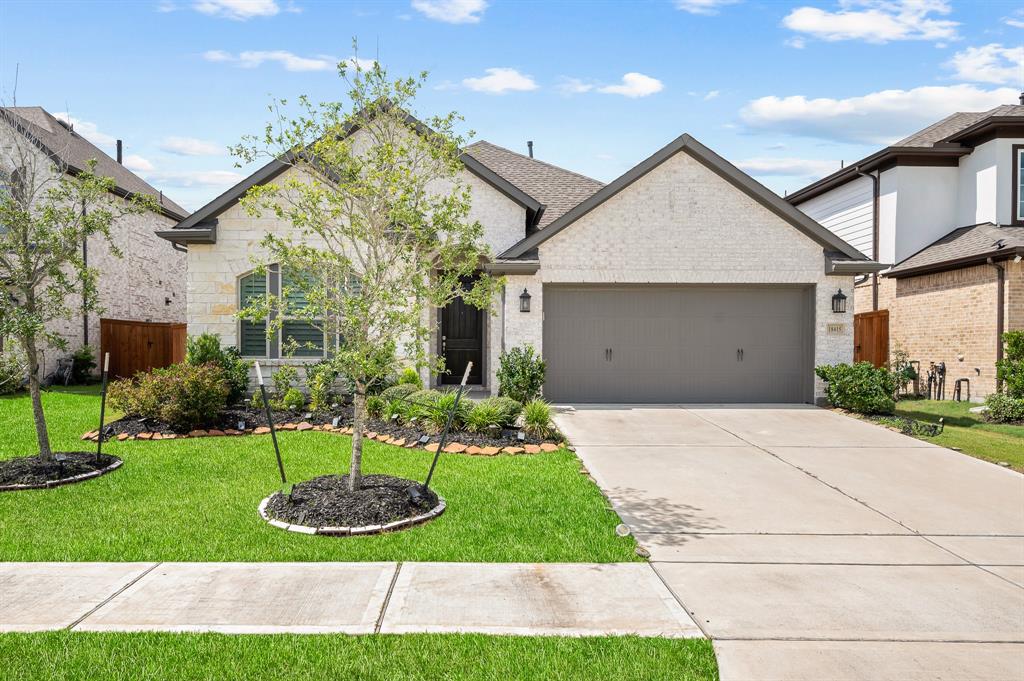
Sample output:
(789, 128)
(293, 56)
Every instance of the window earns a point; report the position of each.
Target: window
(1018, 184)
(253, 341)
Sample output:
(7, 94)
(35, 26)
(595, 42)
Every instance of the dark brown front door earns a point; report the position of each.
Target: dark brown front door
(462, 340)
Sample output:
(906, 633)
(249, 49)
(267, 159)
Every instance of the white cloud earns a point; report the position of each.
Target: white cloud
(1016, 20)
(250, 59)
(190, 146)
(796, 43)
(87, 129)
(137, 163)
(702, 6)
(875, 118)
(875, 21)
(499, 81)
(634, 85)
(239, 10)
(451, 11)
(991, 63)
(210, 179)
(712, 94)
(573, 86)
(795, 167)
(165, 6)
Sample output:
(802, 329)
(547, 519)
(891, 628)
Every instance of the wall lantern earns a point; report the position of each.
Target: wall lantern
(524, 301)
(839, 302)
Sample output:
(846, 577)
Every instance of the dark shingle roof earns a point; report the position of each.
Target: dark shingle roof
(558, 189)
(74, 150)
(954, 123)
(964, 246)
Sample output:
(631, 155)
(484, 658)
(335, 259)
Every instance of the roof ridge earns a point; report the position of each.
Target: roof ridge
(537, 160)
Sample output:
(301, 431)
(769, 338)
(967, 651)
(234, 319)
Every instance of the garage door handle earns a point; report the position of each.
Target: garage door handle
(739, 354)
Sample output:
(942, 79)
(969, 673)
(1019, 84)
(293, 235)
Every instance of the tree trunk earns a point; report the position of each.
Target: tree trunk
(42, 437)
(355, 469)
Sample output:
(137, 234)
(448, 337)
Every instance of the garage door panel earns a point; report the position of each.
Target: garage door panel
(676, 344)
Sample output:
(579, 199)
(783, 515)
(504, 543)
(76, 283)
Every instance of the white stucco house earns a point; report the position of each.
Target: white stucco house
(146, 284)
(683, 280)
(943, 209)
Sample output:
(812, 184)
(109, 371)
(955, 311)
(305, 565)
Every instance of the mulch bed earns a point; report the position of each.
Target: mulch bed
(31, 472)
(326, 501)
(255, 422)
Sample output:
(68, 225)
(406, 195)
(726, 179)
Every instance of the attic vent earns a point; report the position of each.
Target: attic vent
(1000, 244)
(66, 125)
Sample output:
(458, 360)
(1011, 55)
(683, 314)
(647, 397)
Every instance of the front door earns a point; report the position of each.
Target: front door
(462, 340)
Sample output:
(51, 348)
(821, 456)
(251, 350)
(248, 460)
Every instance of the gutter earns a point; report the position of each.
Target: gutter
(1000, 301)
(875, 200)
(512, 267)
(203, 234)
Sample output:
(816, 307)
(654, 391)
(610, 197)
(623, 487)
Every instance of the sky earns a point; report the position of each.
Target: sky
(785, 90)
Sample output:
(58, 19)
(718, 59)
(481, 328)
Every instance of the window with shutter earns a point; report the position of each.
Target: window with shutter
(252, 341)
(307, 335)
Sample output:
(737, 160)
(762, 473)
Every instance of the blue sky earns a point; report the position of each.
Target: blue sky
(784, 89)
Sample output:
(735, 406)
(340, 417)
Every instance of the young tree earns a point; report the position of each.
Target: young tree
(47, 211)
(378, 229)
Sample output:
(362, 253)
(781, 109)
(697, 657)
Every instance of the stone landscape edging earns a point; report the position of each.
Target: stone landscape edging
(454, 447)
(351, 531)
(81, 477)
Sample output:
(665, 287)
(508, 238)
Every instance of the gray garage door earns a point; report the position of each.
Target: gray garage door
(664, 344)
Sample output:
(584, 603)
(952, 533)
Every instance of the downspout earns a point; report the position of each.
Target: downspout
(875, 198)
(1000, 300)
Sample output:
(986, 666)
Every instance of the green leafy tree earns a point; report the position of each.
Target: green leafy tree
(47, 211)
(377, 229)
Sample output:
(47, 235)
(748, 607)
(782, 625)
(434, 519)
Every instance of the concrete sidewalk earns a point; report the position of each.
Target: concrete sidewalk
(577, 599)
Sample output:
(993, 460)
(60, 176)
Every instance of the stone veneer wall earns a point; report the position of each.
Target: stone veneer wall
(682, 223)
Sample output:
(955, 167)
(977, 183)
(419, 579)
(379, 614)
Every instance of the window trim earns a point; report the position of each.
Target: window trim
(1016, 217)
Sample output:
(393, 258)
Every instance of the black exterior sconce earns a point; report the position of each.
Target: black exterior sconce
(524, 301)
(839, 302)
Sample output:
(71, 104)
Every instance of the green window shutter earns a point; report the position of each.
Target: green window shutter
(304, 334)
(252, 335)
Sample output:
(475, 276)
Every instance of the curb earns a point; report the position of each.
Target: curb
(66, 481)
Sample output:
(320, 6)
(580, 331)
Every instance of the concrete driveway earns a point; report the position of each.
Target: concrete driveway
(810, 545)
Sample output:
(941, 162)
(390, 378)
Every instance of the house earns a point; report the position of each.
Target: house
(944, 208)
(146, 284)
(684, 280)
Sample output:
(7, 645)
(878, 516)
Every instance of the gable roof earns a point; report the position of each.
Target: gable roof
(963, 247)
(69, 148)
(556, 188)
(200, 227)
(727, 171)
(940, 143)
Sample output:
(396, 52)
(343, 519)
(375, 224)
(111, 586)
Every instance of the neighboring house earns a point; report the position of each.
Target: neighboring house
(148, 282)
(684, 280)
(945, 208)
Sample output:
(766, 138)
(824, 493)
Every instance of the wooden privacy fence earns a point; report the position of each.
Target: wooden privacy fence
(141, 346)
(871, 337)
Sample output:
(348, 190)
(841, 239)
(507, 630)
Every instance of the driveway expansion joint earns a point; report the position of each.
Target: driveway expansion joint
(114, 595)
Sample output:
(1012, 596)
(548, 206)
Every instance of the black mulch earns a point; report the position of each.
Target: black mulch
(31, 470)
(327, 502)
(253, 418)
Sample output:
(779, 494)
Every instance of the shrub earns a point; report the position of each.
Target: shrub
(375, 406)
(537, 418)
(320, 378)
(183, 395)
(83, 362)
(859, 387)
(206, 349)
(1004, 409)
(293, 400)
(399, 392)
(394, 408)
(284, 380)
(12, 369)
(436, 416)
(256, 401)
(520, 374)
(1010, 369)
(410, 377)
(510, 410)
(420, 403)
(483, 416)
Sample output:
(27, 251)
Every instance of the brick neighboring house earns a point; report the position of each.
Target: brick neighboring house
(944, 208)
(148, 282)
(683, 280)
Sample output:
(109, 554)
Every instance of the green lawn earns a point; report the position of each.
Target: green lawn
(196, 500)
(63, 656)
(969, 432)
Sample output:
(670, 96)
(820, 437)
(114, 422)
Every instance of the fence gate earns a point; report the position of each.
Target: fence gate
(871, 337)
(141, 346)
